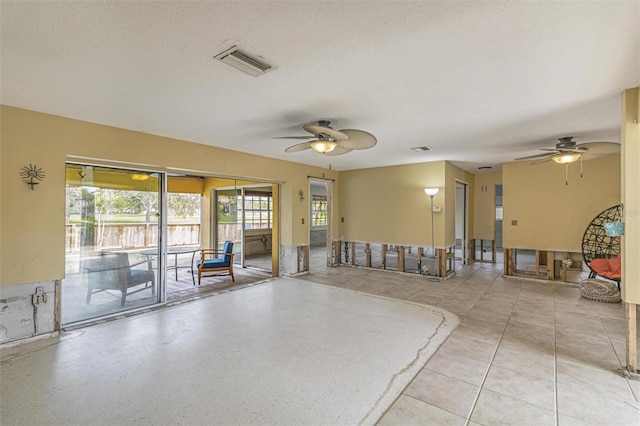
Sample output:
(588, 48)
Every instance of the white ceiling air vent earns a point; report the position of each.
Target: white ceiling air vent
(244, 61)
(422, 148)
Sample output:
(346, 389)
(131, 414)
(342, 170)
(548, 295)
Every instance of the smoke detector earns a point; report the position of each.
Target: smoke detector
(245, 61)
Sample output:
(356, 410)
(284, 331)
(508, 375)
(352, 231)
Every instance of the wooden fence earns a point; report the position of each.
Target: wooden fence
(133, 236)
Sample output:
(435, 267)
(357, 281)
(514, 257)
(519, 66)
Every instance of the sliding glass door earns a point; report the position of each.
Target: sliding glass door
(228, 221)
(245, 216)
(113, 241)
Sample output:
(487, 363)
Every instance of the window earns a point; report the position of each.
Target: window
(258, 210)
(319, 210)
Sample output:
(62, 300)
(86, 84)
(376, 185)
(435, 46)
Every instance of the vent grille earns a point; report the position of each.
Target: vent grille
(422, 148)
(245, 61)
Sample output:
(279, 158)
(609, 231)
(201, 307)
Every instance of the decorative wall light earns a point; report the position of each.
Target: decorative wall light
(31, 175)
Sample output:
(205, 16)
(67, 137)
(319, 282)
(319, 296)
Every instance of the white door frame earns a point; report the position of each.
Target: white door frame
(465, 231)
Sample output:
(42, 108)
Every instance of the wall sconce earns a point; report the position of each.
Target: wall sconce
(301, 195)
(32, 174)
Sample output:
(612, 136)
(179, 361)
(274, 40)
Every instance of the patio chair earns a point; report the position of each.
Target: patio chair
(112, 271)
(216, 262)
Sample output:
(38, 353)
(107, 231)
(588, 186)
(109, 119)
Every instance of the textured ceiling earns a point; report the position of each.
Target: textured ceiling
(479, 82)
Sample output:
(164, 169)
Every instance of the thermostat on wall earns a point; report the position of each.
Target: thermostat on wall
(437, 209)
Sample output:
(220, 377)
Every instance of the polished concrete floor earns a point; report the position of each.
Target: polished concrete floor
(525, 352)
(281, 352)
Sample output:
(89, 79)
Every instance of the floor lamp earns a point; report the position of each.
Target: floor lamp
(431, 192)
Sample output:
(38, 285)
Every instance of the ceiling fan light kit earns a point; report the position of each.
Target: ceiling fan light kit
(327, 141)
(567, 151)
(322, 147)
(566, 158)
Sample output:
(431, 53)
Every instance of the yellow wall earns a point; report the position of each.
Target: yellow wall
(32, 223)
(485, 205)
(388, 204)
(550, 214)
(631, 195)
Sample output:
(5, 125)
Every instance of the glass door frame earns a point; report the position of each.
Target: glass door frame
(160, 278)
(275, 229)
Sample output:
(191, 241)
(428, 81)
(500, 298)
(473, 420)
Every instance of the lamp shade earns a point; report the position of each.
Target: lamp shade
(566, 158)
(323, 146)
(431, 191)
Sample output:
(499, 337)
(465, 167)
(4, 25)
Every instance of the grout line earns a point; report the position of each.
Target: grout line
(486, 373)
(555, 361)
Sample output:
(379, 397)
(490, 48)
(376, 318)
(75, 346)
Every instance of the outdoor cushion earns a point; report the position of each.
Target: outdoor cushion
(215, 263)
(607, 268)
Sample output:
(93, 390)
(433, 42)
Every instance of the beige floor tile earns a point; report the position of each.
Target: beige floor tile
(592, 379)
(479, 351)
(595, 405)
(457, 367)
(526, 387)
(588, 356)
(531, 332)
(529, 318)
(494, 408)
(527, 359)
(564, 420)
(452, 395)
(583, 339)
(410, 411)
(480, 334)
(498, 312)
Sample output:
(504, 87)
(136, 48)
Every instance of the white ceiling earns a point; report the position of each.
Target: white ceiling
(479, 82)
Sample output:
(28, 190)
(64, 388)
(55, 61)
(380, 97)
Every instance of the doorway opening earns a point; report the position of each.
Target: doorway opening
(499, 215)
(319, 223)
(461, 223)
(247, 215)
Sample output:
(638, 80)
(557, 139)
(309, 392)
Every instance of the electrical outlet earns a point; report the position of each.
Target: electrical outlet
(40, 296)
(303, 221)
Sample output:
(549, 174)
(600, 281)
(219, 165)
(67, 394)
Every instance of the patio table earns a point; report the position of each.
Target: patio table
(175, 251)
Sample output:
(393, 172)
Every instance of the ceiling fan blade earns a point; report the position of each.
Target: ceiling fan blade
(295, 137)
(601, 147)
(358, 139)
(338, 150)
(543, 160)
(299, 147)
(544, 155)
(322, 130)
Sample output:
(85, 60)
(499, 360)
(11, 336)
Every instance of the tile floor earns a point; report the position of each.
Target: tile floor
(526, 352)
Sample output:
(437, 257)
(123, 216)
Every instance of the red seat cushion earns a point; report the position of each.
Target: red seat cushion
(608, 268)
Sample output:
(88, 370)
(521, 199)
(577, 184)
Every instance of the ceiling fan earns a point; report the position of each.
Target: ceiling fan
(325, 140)
(567, 151)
